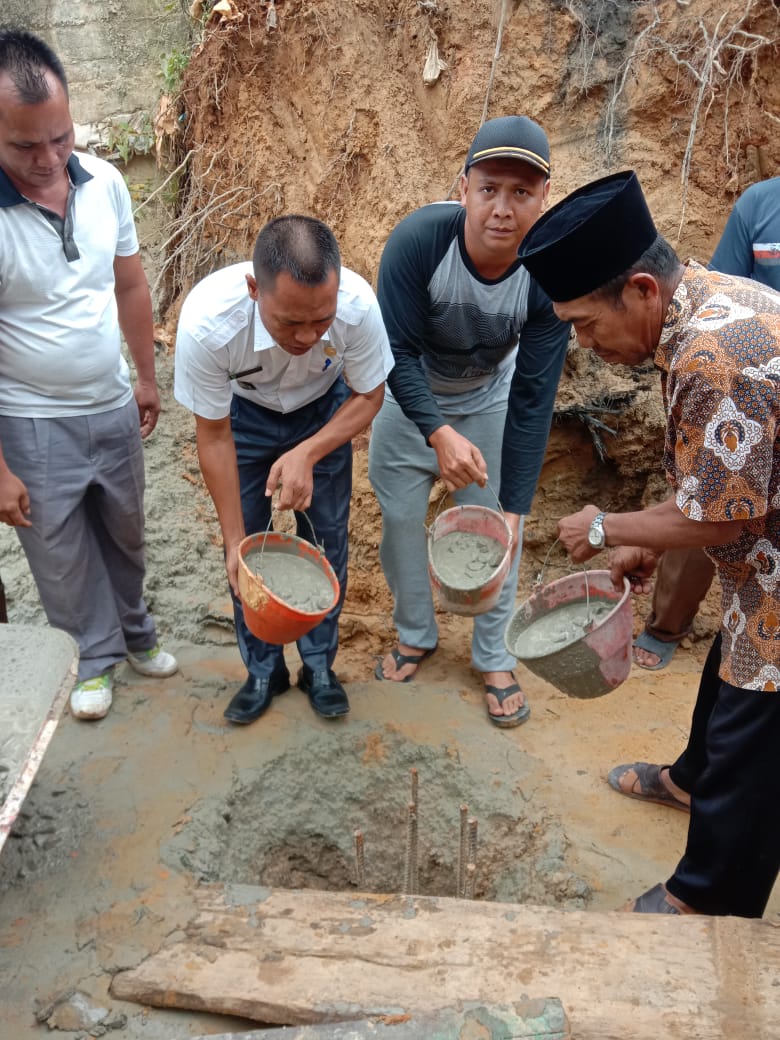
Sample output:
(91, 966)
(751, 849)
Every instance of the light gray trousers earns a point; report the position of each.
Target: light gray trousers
(85, 478)
(402, 469)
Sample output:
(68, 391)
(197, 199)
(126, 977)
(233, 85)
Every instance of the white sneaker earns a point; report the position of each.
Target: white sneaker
(91, 698)
(155, 662)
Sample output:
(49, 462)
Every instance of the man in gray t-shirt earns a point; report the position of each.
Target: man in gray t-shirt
(478, 354)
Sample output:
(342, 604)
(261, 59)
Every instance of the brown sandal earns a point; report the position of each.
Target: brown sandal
(651, 787)
(654, 901)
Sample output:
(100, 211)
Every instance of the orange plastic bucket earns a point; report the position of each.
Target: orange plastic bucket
(267, 616)
(600, 659)
(466, 598)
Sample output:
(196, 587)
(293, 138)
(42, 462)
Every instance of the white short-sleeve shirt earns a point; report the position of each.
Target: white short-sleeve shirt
(220, 333)
(59, 334)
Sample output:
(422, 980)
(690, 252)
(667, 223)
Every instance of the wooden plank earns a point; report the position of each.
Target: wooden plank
(527, 1020)
(303, 957)
(39, 669)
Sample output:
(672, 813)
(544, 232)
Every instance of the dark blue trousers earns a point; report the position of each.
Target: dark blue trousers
(730, 768)
(261, 436)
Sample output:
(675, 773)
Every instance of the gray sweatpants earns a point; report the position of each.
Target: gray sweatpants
(85, 478)
(402, 469)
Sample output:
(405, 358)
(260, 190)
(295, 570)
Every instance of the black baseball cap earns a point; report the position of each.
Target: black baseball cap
(590, 237)
(511, 137)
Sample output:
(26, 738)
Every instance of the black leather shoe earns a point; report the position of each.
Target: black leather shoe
(326, 694)
(255, 696)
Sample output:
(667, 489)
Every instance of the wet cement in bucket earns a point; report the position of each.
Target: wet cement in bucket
(291, 824)
(560, 627)
(466, 560)
(295, 579)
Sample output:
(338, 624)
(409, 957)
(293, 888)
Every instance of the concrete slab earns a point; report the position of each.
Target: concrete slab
(38, 671)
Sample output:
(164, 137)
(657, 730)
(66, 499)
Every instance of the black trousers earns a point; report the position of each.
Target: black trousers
(730, 768)
(3, 610)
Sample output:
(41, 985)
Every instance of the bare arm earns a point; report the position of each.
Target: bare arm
(217, 457)
(134, 307)
(657, 528)
(293, 471)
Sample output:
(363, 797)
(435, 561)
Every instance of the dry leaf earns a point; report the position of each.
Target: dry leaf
(165, 122)
(434, 66)
(225, 11)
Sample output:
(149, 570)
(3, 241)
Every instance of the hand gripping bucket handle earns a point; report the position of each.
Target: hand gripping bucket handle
(266, 614)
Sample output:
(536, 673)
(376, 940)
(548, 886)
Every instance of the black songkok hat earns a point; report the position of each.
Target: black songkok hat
(588, 238)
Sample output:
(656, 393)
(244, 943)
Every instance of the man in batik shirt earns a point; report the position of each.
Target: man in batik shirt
(716, 340)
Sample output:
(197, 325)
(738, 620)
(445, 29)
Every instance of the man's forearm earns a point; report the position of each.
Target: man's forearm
(664, 527)
(347, 422)
(134, 311)
(220, 471)
(134, 308)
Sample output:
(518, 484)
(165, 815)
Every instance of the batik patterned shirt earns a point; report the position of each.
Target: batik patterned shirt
(719, 357)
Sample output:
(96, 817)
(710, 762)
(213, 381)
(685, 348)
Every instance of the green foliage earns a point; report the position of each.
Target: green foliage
(124, 139)
(174, 66)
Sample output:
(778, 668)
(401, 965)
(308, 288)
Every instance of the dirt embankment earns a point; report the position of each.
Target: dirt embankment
(329, 113)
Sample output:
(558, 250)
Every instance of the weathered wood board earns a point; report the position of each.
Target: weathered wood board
(529, 1020)
(302, 957)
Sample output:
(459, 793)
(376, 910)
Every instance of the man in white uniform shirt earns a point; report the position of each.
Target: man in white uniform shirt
(283, 361)
(71, 424)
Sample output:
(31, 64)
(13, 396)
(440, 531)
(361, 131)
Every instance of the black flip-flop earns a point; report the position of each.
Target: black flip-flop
(402, 659)
(517, 717)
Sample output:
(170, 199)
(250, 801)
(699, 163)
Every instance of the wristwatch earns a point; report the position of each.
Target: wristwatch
(596, 535)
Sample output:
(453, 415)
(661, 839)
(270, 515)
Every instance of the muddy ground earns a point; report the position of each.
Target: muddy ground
(128, 814)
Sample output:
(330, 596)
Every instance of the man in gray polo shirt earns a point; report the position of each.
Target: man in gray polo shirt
(71, 460)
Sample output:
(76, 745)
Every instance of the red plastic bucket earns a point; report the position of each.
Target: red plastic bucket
(267, 616)
(470, 599)
(600, 659)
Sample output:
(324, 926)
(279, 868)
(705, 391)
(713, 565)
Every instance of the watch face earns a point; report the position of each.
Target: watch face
(596, 537)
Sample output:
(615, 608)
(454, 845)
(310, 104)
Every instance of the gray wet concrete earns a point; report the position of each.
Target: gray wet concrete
(36, 662)
(295, 579)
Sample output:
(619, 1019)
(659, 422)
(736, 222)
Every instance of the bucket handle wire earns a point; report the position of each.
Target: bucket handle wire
(540, 577)
(443, 498)
(315, 543)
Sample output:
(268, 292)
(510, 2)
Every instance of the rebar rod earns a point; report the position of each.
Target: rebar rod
(360, 862)
(472, 846)
(413, 773)
(415, 855)
(462, 852)
(410, 871)
(471, 874)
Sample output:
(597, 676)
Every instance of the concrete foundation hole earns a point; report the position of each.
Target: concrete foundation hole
(373, 813)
